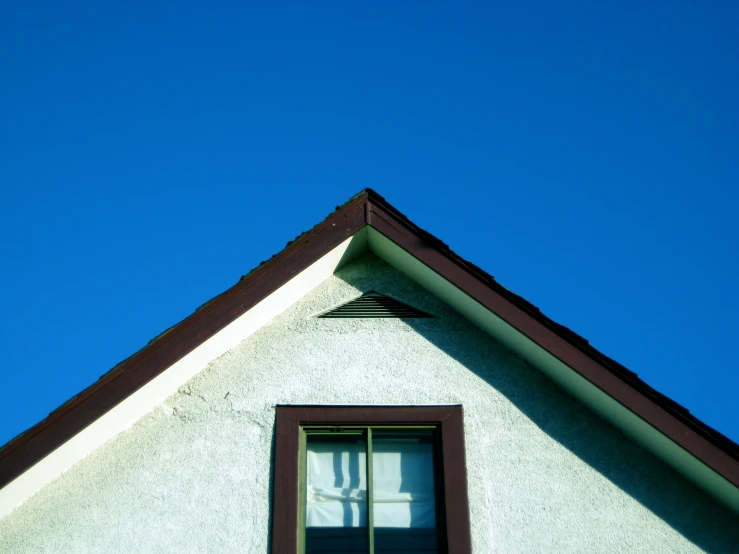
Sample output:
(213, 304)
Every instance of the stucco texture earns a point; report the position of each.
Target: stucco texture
(545, 474)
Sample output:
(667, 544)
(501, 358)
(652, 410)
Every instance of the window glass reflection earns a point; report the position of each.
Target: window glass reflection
(336, 493)
(404, 502)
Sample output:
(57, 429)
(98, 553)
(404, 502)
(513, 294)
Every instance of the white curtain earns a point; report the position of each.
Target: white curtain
(403, 485)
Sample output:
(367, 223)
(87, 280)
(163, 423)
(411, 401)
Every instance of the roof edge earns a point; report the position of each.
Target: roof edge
(32, 445)
(708, 445)
(368, 207)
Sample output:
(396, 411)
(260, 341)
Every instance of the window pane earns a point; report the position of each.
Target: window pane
(404, 502)
(336, 493)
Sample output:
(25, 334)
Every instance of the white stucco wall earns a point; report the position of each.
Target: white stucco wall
(545, 475)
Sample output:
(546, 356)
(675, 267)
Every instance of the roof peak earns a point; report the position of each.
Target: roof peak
(388, 226)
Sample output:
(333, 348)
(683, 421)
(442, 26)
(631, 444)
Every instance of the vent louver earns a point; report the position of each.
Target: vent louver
(374, 305)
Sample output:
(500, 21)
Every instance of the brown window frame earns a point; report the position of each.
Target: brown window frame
(286, 491)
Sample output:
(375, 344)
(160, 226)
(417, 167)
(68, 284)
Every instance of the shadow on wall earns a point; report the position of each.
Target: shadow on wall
(667, 494)
(691, 512)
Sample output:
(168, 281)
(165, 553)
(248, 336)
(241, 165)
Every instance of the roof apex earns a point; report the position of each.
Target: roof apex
(369, 208)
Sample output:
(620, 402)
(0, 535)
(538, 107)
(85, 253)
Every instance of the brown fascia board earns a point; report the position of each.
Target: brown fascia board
(33, 445)
(369, 208)
(674, 421)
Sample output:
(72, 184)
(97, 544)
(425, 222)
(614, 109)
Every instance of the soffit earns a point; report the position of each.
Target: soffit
(367, 221)
(564, 376)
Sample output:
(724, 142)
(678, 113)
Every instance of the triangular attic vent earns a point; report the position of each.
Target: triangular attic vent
(374, 305)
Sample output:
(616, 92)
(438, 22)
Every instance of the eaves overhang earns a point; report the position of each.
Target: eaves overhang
(368, 221)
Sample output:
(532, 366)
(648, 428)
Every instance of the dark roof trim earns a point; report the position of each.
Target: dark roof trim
(115, 386)
(705, 443)
(368, 208)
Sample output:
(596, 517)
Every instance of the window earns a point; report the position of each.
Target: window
(369, 488)
(369, 480)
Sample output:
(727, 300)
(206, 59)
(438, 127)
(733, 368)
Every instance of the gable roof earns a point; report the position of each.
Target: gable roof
(389, 230)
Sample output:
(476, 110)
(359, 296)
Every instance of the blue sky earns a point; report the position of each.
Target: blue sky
(584, 155)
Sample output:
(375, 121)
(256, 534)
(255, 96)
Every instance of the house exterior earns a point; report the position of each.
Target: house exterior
(370, 334)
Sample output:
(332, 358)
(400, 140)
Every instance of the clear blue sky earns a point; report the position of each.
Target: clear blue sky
(586, 156)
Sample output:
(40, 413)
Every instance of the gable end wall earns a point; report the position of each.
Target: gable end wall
(544, 473)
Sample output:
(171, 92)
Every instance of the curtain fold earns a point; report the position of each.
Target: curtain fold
(403, 484)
